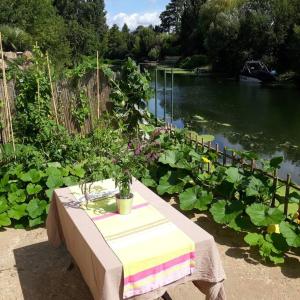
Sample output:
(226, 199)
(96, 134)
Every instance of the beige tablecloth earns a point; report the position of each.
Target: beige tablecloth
(100, 267)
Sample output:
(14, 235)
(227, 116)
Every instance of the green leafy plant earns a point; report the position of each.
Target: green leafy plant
(25, 193)
(235, 196)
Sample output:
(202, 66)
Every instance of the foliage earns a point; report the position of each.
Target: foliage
(39, 22)
(235, 196)
(15, 39)
(230, 32)
(171, 17)
(85, 25)
(25, 193)
(80, 109)
(131, 95)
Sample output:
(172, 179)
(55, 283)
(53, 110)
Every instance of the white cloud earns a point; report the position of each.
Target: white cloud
(134, 20)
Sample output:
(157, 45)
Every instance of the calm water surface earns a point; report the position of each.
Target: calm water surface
(264, 119)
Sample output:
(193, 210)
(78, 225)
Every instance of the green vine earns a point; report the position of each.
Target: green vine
(80, 108)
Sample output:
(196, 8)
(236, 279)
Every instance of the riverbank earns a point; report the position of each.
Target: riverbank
(31, 269)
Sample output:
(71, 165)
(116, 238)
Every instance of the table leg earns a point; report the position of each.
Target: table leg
(166, 296)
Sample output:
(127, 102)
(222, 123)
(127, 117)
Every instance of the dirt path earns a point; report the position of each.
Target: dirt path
(32, 270)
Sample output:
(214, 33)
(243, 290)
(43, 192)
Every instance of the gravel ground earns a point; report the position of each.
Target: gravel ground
(31, 269)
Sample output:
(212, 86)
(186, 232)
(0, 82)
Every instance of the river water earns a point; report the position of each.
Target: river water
(263, 119)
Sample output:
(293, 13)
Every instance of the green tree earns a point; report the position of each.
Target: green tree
(117, 43)
(38, 19)
(171, 17)
(86, 25)
(191, 37)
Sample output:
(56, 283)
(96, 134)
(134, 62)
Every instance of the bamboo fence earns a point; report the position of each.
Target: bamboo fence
(230, 158)
(63, 93)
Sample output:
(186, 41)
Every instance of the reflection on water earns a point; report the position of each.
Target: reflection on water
(265, 119)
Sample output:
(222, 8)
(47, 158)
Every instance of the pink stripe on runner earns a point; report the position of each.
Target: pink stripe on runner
(157, 283)
(159, 268)
(115, 213)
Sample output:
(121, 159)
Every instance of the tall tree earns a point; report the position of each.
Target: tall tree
(86, 23)
(190, 34)
(171, 17)
(117, 43)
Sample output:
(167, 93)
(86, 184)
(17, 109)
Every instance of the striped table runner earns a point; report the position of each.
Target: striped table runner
(153, 251)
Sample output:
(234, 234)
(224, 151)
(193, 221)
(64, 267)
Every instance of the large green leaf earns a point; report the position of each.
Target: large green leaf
(3, 205)
(195, 197)
(291, 233)
(241, 223)
(4, 181)
(49, 193)
(233, 175)
(169, 157)
(36, 208)
(77, 171)
(275, 162)
(70, 180)
(175, 159)
(32, 175)
(172, 183)
(17, 196)
(54, 181)
(262, 215)
(253, 187)
(53, 172)
(17, 211)
(33, 189)
(294, 197)
(35, 222)
(224, 212)
(254, 239)
(4, 220)
(149, 182)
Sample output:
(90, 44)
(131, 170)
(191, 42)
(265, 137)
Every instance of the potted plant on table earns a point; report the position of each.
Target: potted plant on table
(122, 174)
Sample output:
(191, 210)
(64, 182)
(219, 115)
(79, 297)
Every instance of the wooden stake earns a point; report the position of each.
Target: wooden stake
(287, 194)
(253, 165)
(6, 125)
(225, 156)
(275, 183)
(52, 91)
(233, 158)
(98, 88)
(6, 99)
(217, 152)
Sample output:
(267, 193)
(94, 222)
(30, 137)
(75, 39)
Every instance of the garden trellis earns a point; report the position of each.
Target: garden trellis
(63, 94)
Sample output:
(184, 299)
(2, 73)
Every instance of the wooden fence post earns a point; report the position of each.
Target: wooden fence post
(51, 88)
(287, 194)
(98, 88)
(225, 156)
(233, 158)
(275, 183)
(217, 152)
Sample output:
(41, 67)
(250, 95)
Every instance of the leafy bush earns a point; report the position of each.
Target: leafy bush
(236, 197)
(130, 95)
(15, 39)
(25, 193)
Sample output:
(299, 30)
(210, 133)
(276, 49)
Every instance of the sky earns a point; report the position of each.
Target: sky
(134, 12)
